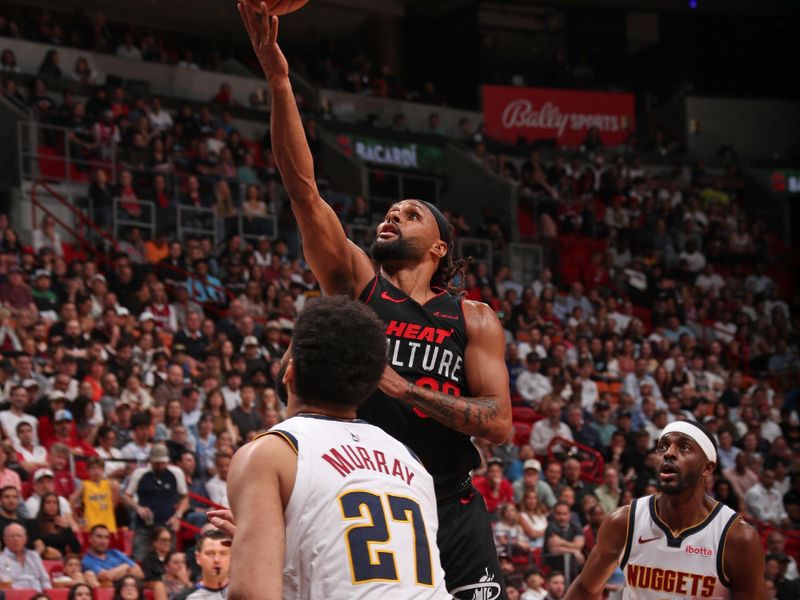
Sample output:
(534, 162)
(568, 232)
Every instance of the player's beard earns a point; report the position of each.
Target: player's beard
(397, 250)
(680, 484)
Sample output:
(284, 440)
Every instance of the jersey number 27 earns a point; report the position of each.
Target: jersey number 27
(367, 565)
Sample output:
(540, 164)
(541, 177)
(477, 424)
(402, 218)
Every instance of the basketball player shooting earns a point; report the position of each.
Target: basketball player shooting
(446, 379)
(679, 543)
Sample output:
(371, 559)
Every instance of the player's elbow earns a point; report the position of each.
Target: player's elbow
(500, 432)
(246, 590)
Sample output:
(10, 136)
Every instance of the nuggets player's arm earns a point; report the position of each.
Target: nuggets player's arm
(260, 483)
(603, 559)
(487, 414)
(743, 561)
(340, 266)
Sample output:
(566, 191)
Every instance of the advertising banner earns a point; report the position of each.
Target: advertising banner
(392, 153)
(566, 116)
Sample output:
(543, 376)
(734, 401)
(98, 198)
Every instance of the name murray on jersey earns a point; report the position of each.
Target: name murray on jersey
(412, 346)
(348, 458)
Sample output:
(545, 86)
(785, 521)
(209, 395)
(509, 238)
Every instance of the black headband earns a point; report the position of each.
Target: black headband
(444, 226)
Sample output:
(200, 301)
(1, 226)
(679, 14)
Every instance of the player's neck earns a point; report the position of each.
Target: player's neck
(414, 280)
(683, 510)
(298, 406)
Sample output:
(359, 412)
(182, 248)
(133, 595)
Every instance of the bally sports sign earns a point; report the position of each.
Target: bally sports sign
(510, 113)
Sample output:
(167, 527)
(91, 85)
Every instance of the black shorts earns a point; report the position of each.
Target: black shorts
(466, 546)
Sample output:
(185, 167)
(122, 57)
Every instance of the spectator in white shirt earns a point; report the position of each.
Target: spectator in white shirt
(9, 419)
(695, 260)
(709, 282)
(159, 118)
(632, 384)
(232, 390)
(128, 50)
(531, 384)
(765, 502)
(30, 456)
(589, 391)
(727, 452)
(217, 486)
(545, 430)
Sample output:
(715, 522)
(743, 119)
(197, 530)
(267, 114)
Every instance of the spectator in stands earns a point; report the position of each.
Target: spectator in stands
(562, 537)
(127, 49)
(7, 476)
(217, 485)
(160, 492)
(50, 65)
(96, 498)
(11, 510)
(30, 456)
(176, 576)
(22, 568)
(15, 294)
(764, 501)
(494, 487)
(533, 518)
(83, 73)
(609, 492)
(8, 61)
(54, 538)
(545, 430)
(154, 563)
(81, 583)
(47, 237)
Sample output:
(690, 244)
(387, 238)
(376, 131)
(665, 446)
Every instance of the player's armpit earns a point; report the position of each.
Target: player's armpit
(257, 503)
(743, 562)
(603, 558)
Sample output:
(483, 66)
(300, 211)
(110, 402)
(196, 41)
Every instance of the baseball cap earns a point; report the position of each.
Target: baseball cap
(178, 348)
(273, 325)
(494, 461)
(158, 453)
(56, 395)
(98, 277)
(122, 311)
(41, 273)
(532, 463)
(146, 316)
(62, 415)
(30, 383)
(42, 473)
(251, 340)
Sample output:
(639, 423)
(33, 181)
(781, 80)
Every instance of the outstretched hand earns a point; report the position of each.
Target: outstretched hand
(223, 519)
(263, 31)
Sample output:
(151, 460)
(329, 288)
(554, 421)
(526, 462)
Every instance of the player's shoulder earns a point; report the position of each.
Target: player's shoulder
(479, 316)
(742, 537)
(620, 519)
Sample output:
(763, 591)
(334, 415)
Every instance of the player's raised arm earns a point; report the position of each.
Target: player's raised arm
(259, 486)
(603, 558)
(339, 265)
(743, 562)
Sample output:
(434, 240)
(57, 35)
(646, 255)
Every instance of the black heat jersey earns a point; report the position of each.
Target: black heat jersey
(426, 346)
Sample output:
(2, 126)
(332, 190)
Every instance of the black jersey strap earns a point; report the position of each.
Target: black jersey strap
(626, 554)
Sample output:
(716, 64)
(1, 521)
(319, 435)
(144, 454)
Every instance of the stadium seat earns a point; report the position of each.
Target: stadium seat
(524, 414)
(53, 566)
(58, 593)
(104, 593)
(522, 433)
(19, 594)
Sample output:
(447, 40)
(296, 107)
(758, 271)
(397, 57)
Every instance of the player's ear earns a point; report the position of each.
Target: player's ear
(439, 249)
(708, 471)
(289, 374)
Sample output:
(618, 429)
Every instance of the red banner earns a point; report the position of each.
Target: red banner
(510, 113)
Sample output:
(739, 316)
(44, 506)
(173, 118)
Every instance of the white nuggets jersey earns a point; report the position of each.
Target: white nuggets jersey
(361, 522)
(661, 566)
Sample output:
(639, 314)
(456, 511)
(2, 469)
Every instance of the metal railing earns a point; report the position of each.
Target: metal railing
(480, 250)
(525, 261)
(196, 220)
(390, 186)
(123, 215)
(55, 154)
(252, 228)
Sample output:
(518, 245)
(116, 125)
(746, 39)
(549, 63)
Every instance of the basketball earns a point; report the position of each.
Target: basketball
(279, 7)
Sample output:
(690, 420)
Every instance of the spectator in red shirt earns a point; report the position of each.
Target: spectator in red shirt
(495, 489)
(64, 433)
(59, 459)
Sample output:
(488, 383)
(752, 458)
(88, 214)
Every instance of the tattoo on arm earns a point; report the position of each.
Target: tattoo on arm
(468, 415)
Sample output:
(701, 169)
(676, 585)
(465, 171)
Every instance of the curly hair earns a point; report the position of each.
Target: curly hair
(338, 352)
(450, 273)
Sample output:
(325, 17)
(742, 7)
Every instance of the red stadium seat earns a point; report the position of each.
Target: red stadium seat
(53, 566)
(58, 593)
(524, 414)
(19, 594)
(104, 593)
(522, 433)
